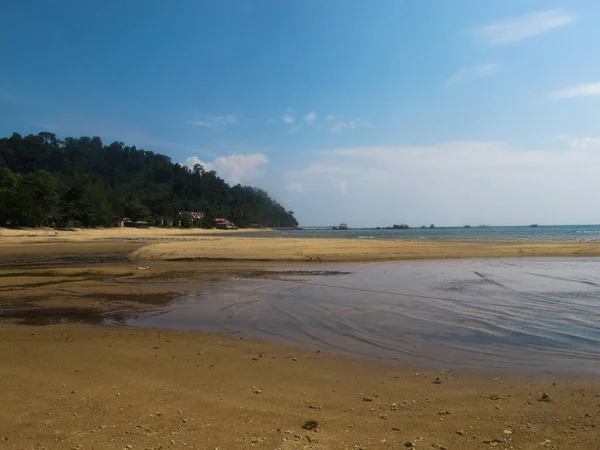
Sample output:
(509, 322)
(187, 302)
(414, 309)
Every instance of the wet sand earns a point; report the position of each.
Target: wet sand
(80, 385)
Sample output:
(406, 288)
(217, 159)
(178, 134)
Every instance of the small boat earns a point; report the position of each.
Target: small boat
(534, 225)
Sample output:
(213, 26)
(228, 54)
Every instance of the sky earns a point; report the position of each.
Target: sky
(371, 113)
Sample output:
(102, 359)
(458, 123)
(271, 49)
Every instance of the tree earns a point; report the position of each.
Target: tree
(81, 181)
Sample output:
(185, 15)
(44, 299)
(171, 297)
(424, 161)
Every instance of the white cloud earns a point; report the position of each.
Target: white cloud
(523, 27)
(350, 124)
(294, 129)
(451, 183)
(470, 73)
(342, 186)
(310, 117)
(234, 168)
(329, 117)
(581, 143)
(581, 90)
(214, 121)
(288, 118)
(295, 186)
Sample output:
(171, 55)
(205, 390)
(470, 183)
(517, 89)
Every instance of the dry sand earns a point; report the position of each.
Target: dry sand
(83, 387)
(340, 250)
(76, 386)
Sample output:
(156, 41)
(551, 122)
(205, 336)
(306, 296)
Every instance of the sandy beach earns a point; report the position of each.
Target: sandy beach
(196, 244)
(75, 384)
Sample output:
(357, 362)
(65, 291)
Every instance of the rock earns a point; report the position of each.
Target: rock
(444, 413)
(437, 381)
(460, 432)
(310, 425)
(409, 445)
(367, 399)
(544, 398)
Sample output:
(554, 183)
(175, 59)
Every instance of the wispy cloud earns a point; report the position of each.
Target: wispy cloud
(581, 90)
(294, 129)
(311, 117)
(235, 168)
(473, 72)
(215, 121)
(523, 27)
(498, 184)
(329, 117)
(350, 124)
(581, 143)
(288, 118)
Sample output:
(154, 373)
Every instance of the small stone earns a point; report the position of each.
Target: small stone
(437, 381)
(460, 432)
(367, 399)
(128, 446)
(544, 398)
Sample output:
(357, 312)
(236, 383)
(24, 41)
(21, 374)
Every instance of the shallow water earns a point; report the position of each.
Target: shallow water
(537, 315)
(547, 233)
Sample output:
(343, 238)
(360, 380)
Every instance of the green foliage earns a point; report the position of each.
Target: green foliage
(82, 182)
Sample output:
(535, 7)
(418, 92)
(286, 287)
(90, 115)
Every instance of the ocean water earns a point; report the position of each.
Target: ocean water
(531, 314)
(578, 233)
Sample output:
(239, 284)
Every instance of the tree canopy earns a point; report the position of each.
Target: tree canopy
(82, 182)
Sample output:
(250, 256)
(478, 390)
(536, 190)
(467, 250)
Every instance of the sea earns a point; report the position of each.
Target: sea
(542, 233)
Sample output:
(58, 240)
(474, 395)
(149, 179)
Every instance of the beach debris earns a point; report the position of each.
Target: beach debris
(508, 432)
(494, 441)
(494, 397)
(439, 446)
(437, 381)
(460, 432)
(546, 442)
(255, 441)
(444, 413)
(367, 399)
(409, 445)
(143, 268)
(395, 429)
(544, 398)
(256, 390)
(310, 425)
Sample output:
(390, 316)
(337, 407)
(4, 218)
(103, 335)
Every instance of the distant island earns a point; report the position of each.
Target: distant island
(80, 182)
(395, 227)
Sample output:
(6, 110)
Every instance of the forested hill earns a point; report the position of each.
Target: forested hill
(82, 182)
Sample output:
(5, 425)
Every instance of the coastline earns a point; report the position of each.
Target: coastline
(156, 244)
(79, 384)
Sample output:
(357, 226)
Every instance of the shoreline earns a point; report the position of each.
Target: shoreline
(78, 385)
(155, 244)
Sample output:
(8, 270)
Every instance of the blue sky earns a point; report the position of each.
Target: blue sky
(370, 113)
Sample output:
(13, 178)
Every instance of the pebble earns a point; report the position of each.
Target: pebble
(544, 398)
